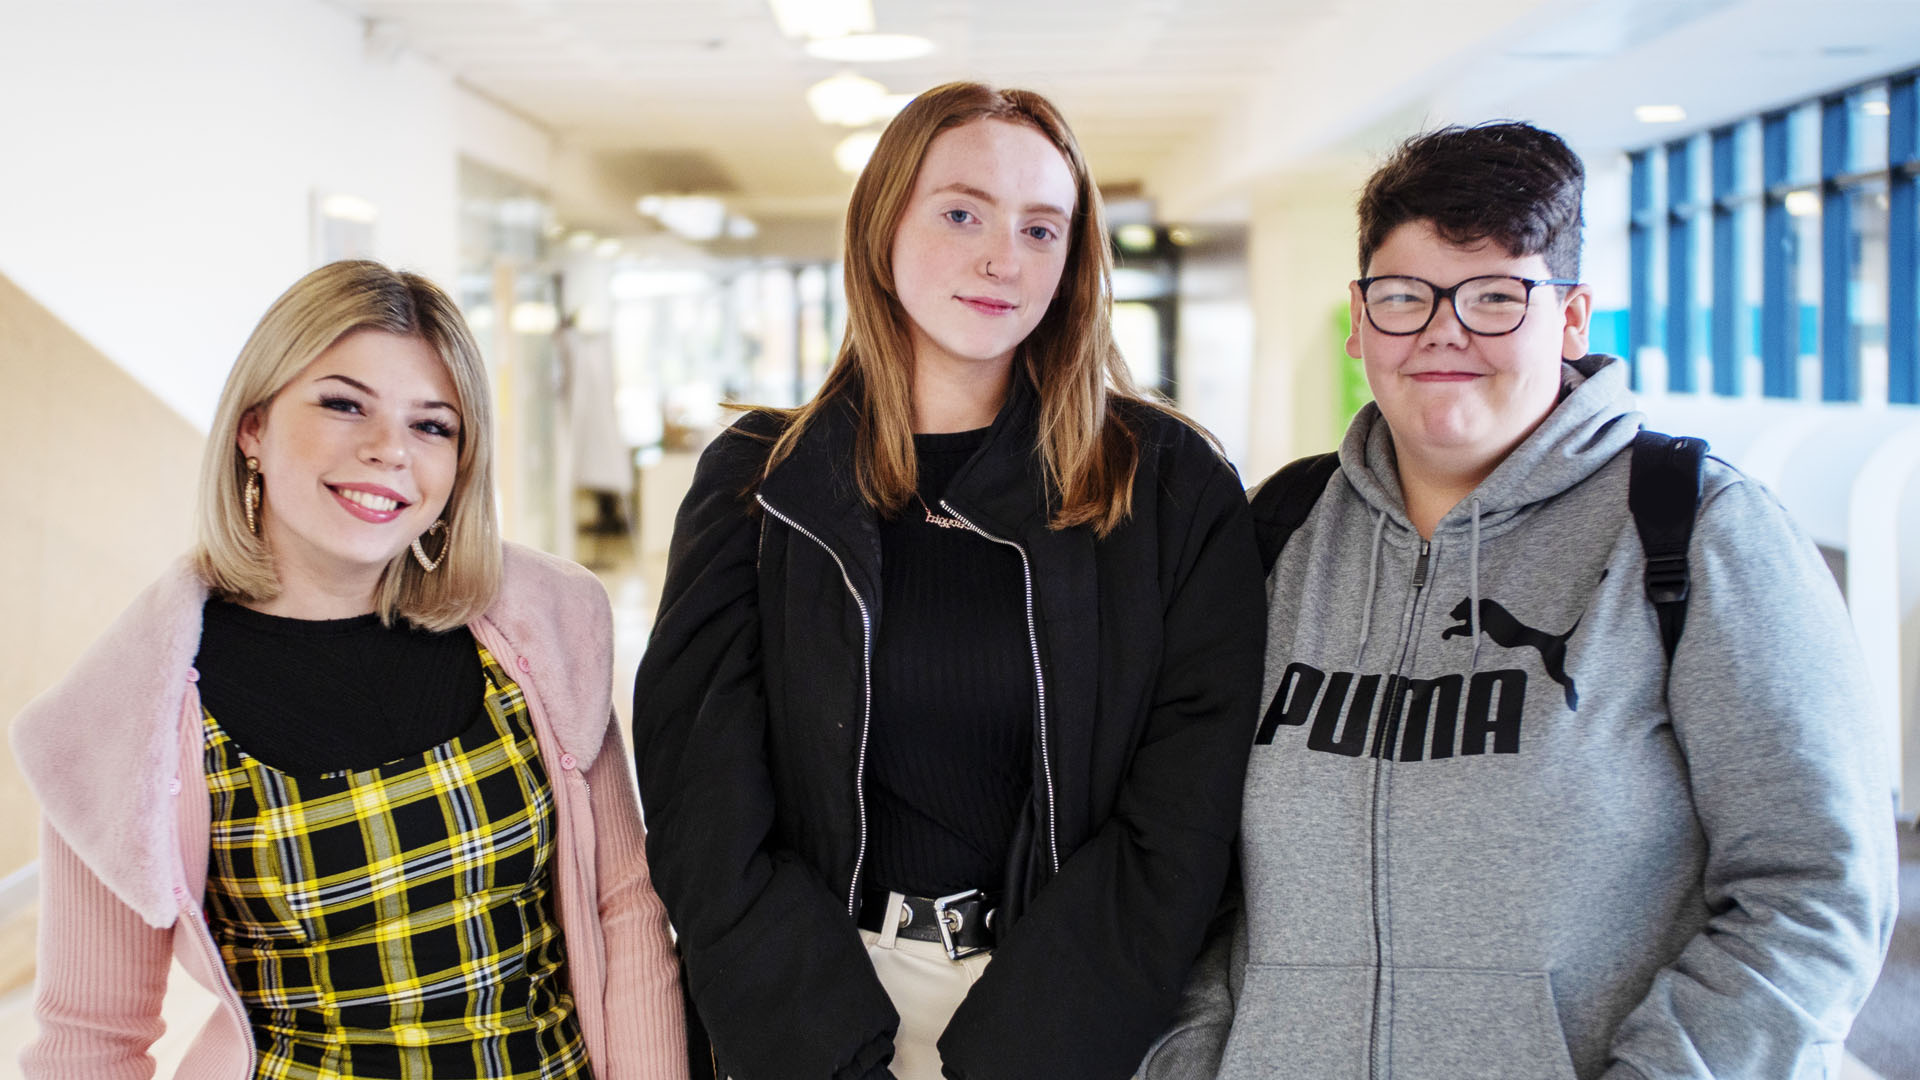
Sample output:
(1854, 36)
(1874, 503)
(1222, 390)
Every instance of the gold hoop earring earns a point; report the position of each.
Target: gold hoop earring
(251, 496)
(420, 553)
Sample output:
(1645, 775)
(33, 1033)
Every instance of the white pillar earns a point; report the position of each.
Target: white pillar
(1302, 254)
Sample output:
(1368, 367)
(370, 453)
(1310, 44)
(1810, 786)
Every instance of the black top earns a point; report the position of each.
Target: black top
(746, 728)
(950, 751)
(312, 696)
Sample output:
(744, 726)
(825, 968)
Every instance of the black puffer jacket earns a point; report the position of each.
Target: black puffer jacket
(750, 716)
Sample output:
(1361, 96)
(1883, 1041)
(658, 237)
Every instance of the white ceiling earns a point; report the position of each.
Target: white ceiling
(1198, 101)
(714, 88)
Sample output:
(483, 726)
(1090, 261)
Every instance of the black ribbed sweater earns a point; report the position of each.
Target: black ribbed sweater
(950, 750)
(308, 696)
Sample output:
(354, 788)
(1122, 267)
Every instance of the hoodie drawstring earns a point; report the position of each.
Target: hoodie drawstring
(1373, 581)
(1473, 586)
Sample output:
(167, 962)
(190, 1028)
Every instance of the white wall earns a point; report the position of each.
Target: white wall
(1301, 257)
(158, 165)
(1604, 262)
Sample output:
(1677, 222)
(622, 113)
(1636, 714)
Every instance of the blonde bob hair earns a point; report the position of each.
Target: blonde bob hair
(320, 309)
(1087, 452)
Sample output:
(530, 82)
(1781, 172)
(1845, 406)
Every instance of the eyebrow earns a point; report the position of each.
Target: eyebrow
(974, 192)
(372, 393)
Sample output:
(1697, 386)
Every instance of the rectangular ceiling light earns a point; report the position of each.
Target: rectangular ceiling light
(823, 18)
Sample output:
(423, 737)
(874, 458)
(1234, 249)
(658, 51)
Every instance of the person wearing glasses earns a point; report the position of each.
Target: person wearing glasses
(1489, 829)
(943, 722)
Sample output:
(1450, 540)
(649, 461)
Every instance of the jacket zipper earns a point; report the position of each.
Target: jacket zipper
(1373, 832)
(1039, 678)
(866, 706)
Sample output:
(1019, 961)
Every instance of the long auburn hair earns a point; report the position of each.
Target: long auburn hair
(1088, 454)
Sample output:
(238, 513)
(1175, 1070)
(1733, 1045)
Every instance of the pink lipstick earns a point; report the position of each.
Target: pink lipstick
(369, 502)
(987, 305)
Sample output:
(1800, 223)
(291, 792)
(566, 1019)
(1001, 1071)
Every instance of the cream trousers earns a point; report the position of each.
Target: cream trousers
(926, 988)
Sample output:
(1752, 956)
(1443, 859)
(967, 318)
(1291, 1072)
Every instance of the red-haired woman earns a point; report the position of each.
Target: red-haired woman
(942, 728)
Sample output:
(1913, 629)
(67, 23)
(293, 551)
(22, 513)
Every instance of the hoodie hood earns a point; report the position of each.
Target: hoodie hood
(1594, 420)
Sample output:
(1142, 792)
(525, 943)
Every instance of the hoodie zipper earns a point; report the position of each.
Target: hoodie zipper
(1373, 830)
(866, 705)
(1039, 678)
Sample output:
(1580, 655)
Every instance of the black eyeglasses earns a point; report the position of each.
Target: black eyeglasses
(1490, 306)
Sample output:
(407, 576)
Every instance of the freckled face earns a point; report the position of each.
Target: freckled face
(1456, 398)
(358, 456)
(979, 250)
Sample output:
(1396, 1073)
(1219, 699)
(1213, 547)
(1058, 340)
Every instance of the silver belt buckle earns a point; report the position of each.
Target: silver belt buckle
(949, 921)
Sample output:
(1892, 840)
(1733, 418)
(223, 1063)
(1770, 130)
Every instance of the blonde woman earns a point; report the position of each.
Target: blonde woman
(942, 727)
(351, 762)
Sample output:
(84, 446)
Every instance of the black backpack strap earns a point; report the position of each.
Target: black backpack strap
(1282, 503)
(1663, 493)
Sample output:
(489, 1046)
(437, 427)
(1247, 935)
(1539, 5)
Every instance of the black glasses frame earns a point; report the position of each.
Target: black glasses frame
(1451, 296)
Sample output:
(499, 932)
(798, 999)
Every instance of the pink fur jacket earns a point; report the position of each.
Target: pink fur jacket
(114, 755)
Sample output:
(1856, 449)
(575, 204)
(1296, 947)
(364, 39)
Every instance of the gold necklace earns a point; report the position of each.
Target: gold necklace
(941, 520)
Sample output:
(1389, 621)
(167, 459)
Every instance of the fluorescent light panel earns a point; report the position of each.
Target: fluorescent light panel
(853, 101)
(349, 208)
(869, 48)
(692, 217)
(822, 18)
(854, 150)
(1659, 114)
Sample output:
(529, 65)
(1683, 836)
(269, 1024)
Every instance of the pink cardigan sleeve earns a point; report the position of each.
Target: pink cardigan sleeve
(646, 1024)
(102, 975)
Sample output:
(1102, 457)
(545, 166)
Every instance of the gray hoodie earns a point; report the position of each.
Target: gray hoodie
(1554, 857)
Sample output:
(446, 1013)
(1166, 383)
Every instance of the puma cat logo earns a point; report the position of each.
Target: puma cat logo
(1508, 632)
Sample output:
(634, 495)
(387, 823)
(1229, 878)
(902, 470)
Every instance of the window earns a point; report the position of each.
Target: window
(1778, 252)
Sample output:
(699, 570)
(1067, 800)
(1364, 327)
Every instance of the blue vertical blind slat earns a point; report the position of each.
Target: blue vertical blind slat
(1640, 256)
(1680, 213)
(1726, 290)
(1903, 237)
(1778, 305)
(1839, 360)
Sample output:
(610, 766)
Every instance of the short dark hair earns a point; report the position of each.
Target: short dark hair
(1503, 181)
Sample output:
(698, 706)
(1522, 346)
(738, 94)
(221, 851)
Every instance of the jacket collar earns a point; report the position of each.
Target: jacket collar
(554, 614)
(102, 747)
(1001, 488)
(816, 488)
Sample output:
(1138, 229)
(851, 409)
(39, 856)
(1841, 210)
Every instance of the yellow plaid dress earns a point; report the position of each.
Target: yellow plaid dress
(397, 922)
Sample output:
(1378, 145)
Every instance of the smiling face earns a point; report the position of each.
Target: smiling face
(1456, 402)
(979, 249)
(358, 455)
